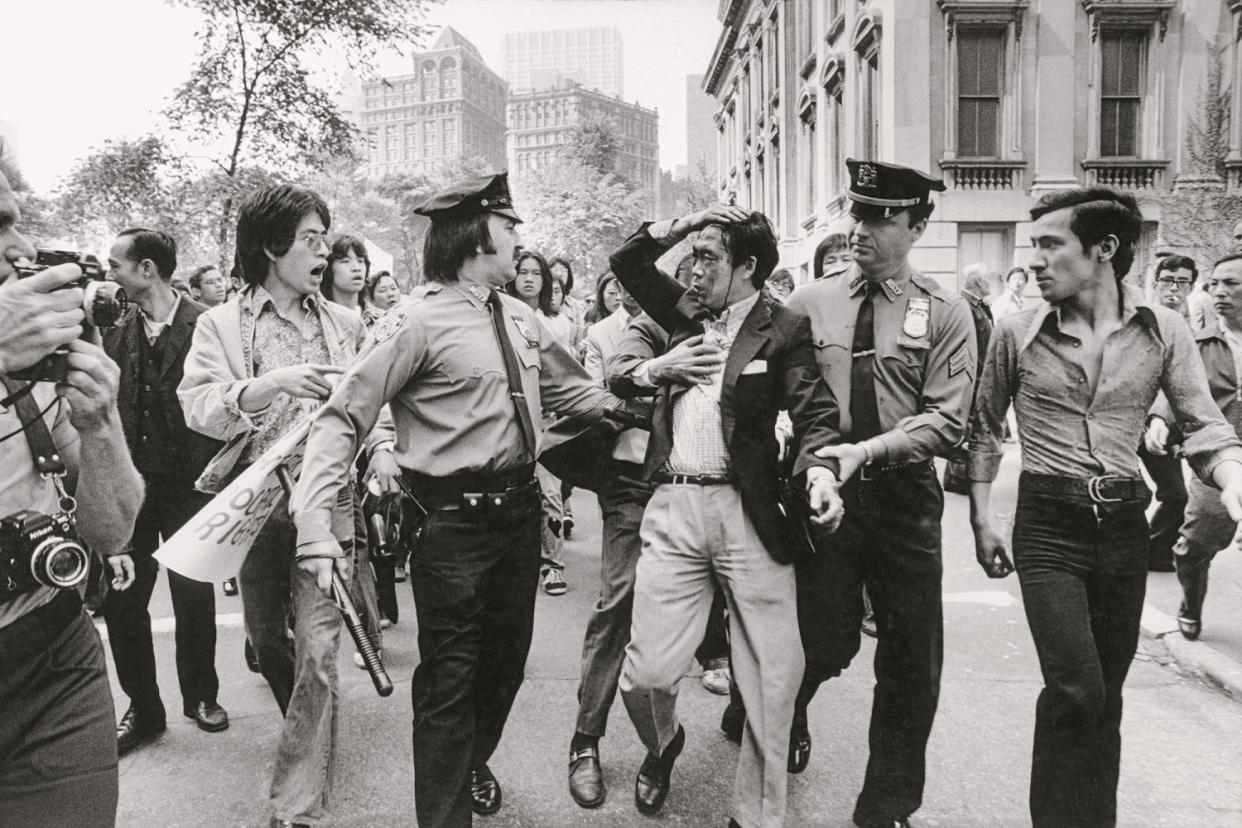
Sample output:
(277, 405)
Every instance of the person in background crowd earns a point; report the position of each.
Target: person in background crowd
(976, 287)
(571, 308)
(607, 297)
(382, 293)
(779, 286)
(1083, 369)
(181, 285)
(1174, 284)
(348, 268)
(475, 570)
(832, 255)
(715, 520)
(535, 285)
(257, 367)
(1013, 298)
(208, 286)
(149, 347)
(907, 370)
(58, 738)
(1208, 527)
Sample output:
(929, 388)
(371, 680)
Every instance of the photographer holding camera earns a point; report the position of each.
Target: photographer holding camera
(58, 763)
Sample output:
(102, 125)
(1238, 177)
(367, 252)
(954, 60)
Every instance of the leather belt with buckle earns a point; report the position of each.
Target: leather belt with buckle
(1104, 488)
(470, 491)
(873, 471)
(696, 479)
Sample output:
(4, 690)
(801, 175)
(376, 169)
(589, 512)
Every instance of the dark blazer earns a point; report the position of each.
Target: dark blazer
(190, 451)
(749, 402)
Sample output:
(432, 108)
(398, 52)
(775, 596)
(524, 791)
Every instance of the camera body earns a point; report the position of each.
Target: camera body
(40, 550)
(103, 303)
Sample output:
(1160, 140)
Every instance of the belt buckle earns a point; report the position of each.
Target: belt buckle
(867, 471)
(1096, 494)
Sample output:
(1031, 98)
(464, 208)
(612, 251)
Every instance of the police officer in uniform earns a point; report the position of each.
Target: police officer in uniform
(899, 353)
(466, 372)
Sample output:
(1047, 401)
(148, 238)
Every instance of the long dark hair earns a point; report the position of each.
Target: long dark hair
(267, 221)
(601, 310)
(545, 285)
(342, 247)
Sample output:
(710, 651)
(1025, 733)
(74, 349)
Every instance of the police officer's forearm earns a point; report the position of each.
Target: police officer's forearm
(109, 490)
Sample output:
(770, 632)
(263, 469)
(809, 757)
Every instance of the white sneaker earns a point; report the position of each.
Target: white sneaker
(554, 582)
(717, 680)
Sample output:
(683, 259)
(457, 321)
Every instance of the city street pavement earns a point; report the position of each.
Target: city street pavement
(1179, 765)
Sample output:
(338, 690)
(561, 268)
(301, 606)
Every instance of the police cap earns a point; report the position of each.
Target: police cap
(879, 190)
(470, 196)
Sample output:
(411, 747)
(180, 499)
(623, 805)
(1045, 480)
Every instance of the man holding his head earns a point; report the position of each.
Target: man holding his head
(150, 347)
(716, 519)
(1082, 370)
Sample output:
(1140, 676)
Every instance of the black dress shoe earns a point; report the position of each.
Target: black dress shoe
(799, 751)
(485, 794)
(586, 778)
(209, 716)
(732, 723)
(1189, 627)
(138, 727)
(651, 786)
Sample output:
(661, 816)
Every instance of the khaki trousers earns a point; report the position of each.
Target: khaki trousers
(688, 533)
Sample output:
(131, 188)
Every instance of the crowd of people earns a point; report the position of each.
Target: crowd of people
(762, 455)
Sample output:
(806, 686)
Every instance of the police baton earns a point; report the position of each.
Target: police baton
(349, 613)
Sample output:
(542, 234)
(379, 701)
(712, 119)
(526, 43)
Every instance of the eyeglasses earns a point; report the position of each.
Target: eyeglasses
(1180, 284)
(313, 238)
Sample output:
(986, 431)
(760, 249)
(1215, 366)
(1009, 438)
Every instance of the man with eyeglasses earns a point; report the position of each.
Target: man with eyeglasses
(257, 367)
(1174, 283)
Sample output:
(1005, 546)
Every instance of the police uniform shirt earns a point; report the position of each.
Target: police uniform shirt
(437, 362)
(925, 358)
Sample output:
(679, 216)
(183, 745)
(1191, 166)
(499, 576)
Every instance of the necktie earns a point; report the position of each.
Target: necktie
(864, 412)
(514, 374)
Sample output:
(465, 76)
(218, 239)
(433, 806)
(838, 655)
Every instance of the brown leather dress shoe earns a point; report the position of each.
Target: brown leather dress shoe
(485, 793)
(586, 778)
(651, 786)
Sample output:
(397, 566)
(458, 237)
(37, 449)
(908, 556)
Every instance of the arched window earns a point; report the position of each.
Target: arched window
(428, 80)
(448, 78)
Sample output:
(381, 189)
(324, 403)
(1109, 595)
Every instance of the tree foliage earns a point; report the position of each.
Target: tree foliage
(594, 143)
(573, 211)
(251, 101)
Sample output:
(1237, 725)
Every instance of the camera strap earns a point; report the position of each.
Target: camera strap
(42, 448)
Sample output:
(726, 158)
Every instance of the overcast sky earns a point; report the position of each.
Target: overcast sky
(80, 71)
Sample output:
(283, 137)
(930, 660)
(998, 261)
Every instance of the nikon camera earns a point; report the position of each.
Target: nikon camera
(40, 550)
(104, 303)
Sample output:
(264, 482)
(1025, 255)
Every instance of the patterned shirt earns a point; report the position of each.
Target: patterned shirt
(698, 432)
(1068, 431)
(280, 342)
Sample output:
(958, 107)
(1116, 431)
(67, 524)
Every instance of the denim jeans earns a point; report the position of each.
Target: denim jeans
(1083, 573)
(474, 575)
(302, 675)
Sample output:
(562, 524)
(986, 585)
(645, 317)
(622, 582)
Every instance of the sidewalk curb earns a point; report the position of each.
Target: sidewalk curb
(1197, 657)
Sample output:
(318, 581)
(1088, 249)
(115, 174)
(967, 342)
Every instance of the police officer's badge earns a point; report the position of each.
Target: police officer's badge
(918, 312)
(388, 325)
(868, 175)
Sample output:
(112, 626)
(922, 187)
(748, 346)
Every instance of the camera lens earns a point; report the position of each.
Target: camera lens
(58, 562)
(105, 303)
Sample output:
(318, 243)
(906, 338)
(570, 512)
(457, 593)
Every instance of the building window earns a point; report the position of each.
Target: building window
(450, 137)
(427, 89)
(1122, 55)
(431, 147)
(866, 43)
(448, 78)
(980, 74)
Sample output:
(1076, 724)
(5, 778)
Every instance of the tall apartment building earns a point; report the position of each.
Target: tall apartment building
(1007, 99)
(700, 127)
(540, 120)
(592, 57)
(452, 106)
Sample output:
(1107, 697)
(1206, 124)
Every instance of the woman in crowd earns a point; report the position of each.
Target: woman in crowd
(571, 308)
(381, 293)
(832, 255)
(535, 285)
(1012, 298)
(607, 297)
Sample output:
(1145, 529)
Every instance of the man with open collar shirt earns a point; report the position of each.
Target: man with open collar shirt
(467, 371)
(733, 361)
(1082, 370)
(899, 353)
